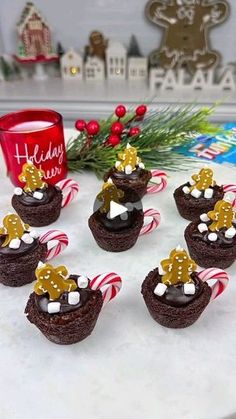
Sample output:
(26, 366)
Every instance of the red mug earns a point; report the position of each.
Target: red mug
(36, 135)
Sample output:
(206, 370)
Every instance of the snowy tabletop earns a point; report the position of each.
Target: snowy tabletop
(130, 367)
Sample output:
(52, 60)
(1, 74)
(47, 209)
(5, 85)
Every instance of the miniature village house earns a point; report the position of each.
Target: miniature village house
(34, 35)
(137, 68)
(94, 68)
(72, 65)
(116, 61)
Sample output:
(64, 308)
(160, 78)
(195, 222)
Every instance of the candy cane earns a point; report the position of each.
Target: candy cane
(161, 182)
(221, 277)
(230, 188)
(69, 189)
(57, 235)
(156, 218)
(109, 283)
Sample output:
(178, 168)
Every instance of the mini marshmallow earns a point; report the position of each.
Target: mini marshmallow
(34, 234)
(192, 182)
(189, 289)
(117, 164)
(141, 165)
(26, 238)
(82, 282)
(18, 191)
(204, 217)
(160, 270)
(160, 289)
(229, 197)
(14, 244)
(128, 169)
(40, 264)
(212, 237)
(124, 216)
(196, 193)
(73, 298)
(202, 227)
(186, 190)
(38, 195)
(230, 233)
(54, 307)
(129, 206)
(208, 193)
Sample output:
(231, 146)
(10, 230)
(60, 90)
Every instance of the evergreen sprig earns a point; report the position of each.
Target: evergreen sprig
(161, 132)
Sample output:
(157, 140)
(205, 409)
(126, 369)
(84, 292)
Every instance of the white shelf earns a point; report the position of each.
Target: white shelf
(75, 99)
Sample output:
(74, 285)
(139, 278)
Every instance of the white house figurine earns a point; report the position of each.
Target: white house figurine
(94, 69)
(137, 68)
(116, 61)
(72, 65)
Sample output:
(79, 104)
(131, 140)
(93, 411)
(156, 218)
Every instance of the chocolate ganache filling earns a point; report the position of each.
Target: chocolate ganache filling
(43, 300)
(217, 195)
(24, 248)
(49, 193)
(174, 295)
(221, 241)
(117, 223)
(134, 175)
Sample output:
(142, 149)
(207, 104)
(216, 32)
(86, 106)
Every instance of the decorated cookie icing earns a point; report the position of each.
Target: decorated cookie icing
(14, 232)
(129, 160)
(109, 193)
(33, 177)
(201, 184)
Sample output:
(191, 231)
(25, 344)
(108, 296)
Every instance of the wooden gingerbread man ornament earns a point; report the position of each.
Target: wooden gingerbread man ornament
(178, 267)
(32, 177)
(222, 216)
(129, 160)
(109, 193)
(97, 45)
(53, 281)
(186, 24)
(203, 180)
(13, 227)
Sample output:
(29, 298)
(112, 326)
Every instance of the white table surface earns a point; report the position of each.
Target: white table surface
(130, 367)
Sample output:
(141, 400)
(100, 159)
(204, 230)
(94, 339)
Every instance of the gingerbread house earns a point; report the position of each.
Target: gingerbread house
(34, 35)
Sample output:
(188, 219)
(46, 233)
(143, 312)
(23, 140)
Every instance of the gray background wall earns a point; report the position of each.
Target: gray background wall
(72, 20)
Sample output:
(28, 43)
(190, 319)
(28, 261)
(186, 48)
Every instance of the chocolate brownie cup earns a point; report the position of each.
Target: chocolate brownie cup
(20, 252)
(174, 294)
(198, 196)
(212, 239)
(121, 232)
(38, 203)
(129, 174)
(66, 311)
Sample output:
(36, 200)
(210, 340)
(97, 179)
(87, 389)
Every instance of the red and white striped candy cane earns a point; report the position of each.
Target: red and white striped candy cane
(54, 235)
(160, 184)
(69, 188)
(156, 219)
(221, 277)
(231, 188)
(109, 283)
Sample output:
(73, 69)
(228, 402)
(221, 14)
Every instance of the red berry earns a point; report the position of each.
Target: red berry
(134, 131)
(141, 110)
(113, 140)
(80, 125)
(120, 111)
(117, 128)
(93, 128)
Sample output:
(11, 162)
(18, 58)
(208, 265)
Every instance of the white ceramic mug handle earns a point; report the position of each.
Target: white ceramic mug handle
(152, 225)
(230, 188)
(110, 285)
(69, 188)
(61, 242)
(160, 182)
(220, 278)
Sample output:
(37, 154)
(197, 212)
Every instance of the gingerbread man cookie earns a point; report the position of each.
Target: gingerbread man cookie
(13, 228)
(32, 177)
(109, 193)
(129, 160)
(203, 180)
(53, 281)
(222, 216)
(186, 24)
(178, 267)
(97, 45)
